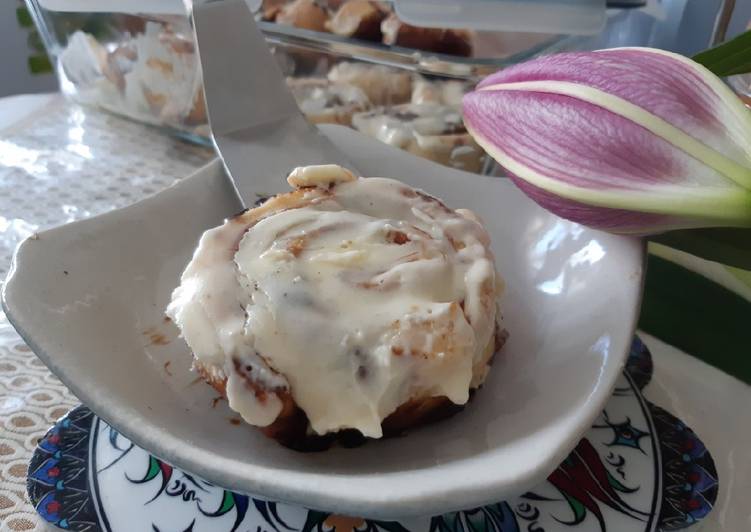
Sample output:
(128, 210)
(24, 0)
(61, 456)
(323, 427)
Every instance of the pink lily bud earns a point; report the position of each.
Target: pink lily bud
(629, 140)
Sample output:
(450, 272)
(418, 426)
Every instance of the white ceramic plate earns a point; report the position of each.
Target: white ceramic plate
(89, 297)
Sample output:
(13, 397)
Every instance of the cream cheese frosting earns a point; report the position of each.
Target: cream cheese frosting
(315, 97)
(383, 85)
(402, 124)
(354, 295)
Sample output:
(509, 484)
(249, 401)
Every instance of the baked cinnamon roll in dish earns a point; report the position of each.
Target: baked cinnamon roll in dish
(348, 308)
(432, 131)
(383, 85)
(305, 14)
(324, 102)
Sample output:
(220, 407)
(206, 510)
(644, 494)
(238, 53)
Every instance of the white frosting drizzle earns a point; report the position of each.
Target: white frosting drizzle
(354, 296)
(448, 92)
(317, 96)
(383, 85)
(402, 124)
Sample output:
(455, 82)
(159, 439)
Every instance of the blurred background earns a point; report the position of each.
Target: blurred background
(26, 67)
(683, 26)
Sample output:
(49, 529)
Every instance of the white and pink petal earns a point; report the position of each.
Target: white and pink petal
(629, 130)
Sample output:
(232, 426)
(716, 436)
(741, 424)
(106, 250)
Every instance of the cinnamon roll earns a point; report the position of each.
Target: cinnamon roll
(161, 77)
(360, 19)
(432, 131)
(348, 308)
(270, 9)
(383, 85)
(447, 92)
(324, 102)
(438, 40)
(305, 14)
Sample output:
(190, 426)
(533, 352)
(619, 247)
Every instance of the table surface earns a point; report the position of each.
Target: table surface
(59, 162)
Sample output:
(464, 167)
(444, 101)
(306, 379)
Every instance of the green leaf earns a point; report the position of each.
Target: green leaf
(39, 64)
(23, 17)
(700, 317)
(729, 58)
(743, 276)
(729, 246)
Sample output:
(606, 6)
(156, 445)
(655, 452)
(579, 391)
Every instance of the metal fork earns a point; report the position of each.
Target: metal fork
(258, 130)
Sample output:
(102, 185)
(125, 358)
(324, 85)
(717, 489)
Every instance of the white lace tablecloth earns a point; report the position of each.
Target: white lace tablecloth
(63, 163)
(59, 164)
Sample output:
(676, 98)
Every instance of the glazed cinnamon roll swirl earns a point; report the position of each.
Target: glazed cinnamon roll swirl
(431, 130)
(324, 102)
(349, 306)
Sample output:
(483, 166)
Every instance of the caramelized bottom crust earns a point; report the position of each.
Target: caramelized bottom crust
(291, 426)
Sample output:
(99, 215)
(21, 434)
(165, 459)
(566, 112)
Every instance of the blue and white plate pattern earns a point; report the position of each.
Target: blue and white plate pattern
(638, 468)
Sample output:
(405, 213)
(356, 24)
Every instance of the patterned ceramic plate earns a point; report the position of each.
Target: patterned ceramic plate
(637, 469)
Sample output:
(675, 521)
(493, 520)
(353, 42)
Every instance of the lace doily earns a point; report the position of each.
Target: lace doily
(61, 164)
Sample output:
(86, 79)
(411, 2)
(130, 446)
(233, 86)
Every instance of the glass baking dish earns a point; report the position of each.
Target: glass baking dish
(139, 61)
(136, 58)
